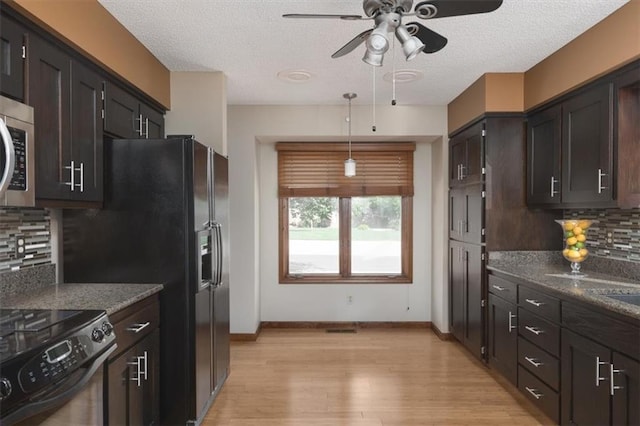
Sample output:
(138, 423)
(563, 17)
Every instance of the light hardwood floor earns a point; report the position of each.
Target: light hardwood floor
(298, 377)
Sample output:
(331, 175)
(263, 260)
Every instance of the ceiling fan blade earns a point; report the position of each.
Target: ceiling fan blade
(355, 42)
(443, 8)
(431, 39)
(322, 16)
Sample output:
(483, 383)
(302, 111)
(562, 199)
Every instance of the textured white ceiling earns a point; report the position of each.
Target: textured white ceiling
(250, 42)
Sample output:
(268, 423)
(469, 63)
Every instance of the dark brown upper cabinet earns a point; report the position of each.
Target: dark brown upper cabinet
(467, 156)
(627, 136)
(66, 97)
(12, 54)
(127, 117)
(582, 150)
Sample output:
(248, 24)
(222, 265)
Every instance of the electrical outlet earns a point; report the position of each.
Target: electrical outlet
(20, 246)
(609, 238)
(349, 300)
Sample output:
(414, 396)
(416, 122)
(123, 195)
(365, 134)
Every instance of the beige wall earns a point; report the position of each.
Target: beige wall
(608, 45)
(199, 108)
(90, 28)
(493, 92)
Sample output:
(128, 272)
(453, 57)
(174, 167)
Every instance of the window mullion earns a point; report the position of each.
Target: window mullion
(344, 233)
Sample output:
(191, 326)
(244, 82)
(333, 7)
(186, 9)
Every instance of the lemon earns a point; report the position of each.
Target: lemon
(581, 238)
(571, 241)
(573, 254)
(583, 252)
(577, 230)
(584, 224)
(565, 252)
(568, 226)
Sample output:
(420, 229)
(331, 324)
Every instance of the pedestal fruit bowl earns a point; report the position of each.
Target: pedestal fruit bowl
(575, 238)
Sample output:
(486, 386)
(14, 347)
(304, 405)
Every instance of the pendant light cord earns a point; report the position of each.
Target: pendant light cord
(373, 126)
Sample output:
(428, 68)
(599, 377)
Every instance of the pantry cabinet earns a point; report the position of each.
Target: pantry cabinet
(126, 117)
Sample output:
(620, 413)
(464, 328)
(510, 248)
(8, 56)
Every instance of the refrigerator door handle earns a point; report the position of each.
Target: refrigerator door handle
(220, 253)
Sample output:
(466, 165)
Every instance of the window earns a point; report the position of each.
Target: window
(335, 229)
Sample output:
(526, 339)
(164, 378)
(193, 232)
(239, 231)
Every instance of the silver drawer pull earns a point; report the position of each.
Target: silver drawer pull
(497, 287)
(137, 328)
(534, 330)
(138, 377)
(533, 362)
(534, 302)
(534, 392)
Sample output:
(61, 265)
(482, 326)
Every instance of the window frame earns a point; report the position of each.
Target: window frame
(344, 231)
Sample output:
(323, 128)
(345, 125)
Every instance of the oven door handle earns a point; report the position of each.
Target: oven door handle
(10, 157)
(35, 407)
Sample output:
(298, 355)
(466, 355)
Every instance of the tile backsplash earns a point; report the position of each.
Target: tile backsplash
(615, 235)
(33, 226)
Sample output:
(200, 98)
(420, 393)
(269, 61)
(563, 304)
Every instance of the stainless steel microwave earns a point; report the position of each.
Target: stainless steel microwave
(17, 183)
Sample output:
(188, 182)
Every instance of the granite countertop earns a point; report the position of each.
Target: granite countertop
(592, 287)
(108, 297)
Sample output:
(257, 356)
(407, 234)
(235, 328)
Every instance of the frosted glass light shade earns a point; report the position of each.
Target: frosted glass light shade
(349, 167)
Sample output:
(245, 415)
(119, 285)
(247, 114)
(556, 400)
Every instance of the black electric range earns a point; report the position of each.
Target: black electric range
(46, 356)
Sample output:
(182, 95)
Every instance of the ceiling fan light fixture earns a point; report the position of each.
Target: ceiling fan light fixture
(377, 45)
(373, 58)
(411, 45)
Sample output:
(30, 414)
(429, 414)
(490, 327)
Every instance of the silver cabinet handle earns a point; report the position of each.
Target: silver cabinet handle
(463, 170)
(144, 368)
(497, 287)
(138, 376)
(553, 186)
(534, 392)
(533, 362)
(534, 302)
(511, 326)
(613, 371)
(146, 128)
(72, 183)
(137, 328)
(598, 364)
(139, 120)
(459, 174)
(600, 176)
(81, 177)
(534, 330)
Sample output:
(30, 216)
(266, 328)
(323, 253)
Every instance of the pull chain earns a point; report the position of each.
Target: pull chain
(373, 126)
(393, 74)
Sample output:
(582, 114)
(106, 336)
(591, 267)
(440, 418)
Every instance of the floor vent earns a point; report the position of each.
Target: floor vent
(341, 330)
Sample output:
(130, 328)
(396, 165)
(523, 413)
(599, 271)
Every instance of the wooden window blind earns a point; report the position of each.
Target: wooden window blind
(317, 169)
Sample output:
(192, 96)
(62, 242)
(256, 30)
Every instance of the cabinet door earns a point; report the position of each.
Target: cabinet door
(457, 155)
(584, 381)
(472, 169)
(627, 137)
(543, 157)
(121, 116)
(457, 213)
(503, 337)
(473, 221)
(133, 386)
(626, 390)
(86, 133)
(587, 147)
(153, 122)
(474, 313)
(11, 59)
(456, 289)
(49, 80)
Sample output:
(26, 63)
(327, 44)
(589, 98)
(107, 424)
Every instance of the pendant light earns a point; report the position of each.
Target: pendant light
(349, 163)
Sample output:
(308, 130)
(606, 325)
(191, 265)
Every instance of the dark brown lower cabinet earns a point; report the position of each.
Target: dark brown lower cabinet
(585, 381)
(625, 387)
(466, 283)
(133, 384)
(503, 337)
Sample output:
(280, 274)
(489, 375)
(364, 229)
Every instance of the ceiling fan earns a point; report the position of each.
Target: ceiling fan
(415, 37)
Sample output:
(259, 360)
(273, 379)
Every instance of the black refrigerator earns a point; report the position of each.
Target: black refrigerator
(165, 220)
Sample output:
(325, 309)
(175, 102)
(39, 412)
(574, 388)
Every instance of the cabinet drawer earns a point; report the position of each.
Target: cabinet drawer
(539, 303)
(540, 394)
(135, 326)
(539, 331)
(503, 288)
(540, 363)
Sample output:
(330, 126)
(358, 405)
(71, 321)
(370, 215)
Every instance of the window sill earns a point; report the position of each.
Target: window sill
(335, 279)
